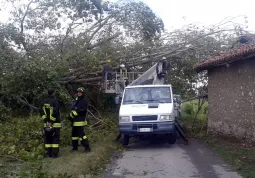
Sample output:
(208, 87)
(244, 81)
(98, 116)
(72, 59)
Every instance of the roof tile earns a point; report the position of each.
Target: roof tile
(225, 57)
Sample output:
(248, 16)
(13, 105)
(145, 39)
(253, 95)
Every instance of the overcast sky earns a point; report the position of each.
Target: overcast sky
(176, 13)
(202, 11)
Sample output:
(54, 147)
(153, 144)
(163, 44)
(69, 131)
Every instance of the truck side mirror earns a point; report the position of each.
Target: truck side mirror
(177, 98)
(117, 100)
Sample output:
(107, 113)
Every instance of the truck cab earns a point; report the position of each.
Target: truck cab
(146, 110)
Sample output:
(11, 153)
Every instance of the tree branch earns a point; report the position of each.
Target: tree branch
(87, 80)
(104, 41)
(22, 26)
(62, 42)
(25, 102)
(101, 24)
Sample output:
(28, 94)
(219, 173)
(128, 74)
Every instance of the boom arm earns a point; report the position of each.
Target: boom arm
(154, 75)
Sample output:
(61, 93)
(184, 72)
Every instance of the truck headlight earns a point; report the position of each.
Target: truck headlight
(124, 119)
(166, 118)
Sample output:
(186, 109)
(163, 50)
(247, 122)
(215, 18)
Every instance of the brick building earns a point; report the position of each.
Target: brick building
(231, 92)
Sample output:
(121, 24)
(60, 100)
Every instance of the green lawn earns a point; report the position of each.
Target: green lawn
(240, 155)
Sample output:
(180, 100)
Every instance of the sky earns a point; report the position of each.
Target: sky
(177, 13)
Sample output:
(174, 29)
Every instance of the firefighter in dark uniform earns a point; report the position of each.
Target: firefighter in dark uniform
(49, 111)
(107, 70)
(78, 119)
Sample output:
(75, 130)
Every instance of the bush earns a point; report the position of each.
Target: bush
(23, 137)
(187, 110)
(4, 112)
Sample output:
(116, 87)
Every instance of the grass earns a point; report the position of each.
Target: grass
(77, 164)
(190, 108)
(80, 163)
(21, 150)
(240, 155)
(194, 127)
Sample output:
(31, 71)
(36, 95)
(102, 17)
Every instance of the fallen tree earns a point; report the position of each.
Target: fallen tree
(39, 50)
(183, 45)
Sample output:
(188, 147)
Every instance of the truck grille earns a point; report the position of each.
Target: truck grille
(145, 118)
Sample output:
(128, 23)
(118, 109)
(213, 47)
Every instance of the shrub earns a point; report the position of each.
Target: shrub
(4, 112)
(23, 137)
(187, 110)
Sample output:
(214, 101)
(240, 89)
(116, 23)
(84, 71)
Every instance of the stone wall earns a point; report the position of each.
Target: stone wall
(231, 91)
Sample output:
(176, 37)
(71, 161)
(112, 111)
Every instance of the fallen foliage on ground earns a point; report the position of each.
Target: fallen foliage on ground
(22, 153)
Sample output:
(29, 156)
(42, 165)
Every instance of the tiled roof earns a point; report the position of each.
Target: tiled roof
(226, 57)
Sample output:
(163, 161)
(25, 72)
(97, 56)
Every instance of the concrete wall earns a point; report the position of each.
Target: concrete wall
(231, 92)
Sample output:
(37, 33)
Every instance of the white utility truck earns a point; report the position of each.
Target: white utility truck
(148, 106)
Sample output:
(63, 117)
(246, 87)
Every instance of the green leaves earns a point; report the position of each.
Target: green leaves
(47, 39)
(22, 138)
(4, 112)
(139, 18)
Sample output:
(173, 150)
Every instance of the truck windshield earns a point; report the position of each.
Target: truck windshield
(144, 95)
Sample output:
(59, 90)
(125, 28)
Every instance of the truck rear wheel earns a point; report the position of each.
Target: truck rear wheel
(125, 140)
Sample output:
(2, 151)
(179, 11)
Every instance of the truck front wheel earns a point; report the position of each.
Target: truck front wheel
(172, 138)
(125, 140)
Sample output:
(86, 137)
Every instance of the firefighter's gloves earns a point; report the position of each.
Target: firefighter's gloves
(73, 114)
(49, 128)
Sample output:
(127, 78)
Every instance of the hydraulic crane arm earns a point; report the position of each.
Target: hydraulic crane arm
(154, 75)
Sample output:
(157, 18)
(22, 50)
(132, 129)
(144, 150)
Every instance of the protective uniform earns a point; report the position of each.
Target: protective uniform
(77, 117)
(123, 72)
(49, 111)
(107, 74)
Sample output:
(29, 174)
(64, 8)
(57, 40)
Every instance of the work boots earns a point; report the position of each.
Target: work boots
(55, 155)
(86, 145)
(49, 155)
(87, 149)
(74, 149)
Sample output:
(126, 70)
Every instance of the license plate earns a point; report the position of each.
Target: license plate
(145, 130)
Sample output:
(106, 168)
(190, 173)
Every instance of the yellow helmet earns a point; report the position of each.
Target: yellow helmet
(81, 89)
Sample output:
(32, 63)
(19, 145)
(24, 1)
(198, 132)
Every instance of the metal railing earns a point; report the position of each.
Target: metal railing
(115, 82)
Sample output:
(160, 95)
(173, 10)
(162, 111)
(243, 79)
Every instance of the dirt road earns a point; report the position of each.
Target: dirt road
(161, 160)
